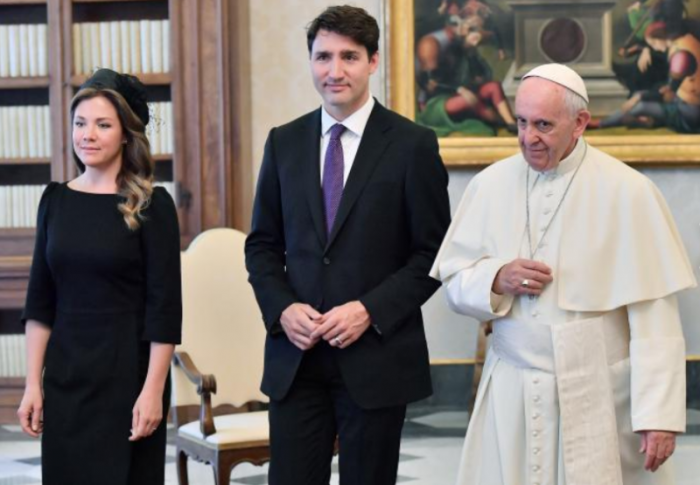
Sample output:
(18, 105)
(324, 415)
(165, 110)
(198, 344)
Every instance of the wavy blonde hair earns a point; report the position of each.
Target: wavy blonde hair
(135, 179)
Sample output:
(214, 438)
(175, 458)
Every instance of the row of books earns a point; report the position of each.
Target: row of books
(19, 203)
(25, 132)
(23, 50)
(139, 46)
(160, 128)
(13, 360)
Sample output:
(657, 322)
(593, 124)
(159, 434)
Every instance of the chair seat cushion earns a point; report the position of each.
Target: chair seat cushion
(241, 430)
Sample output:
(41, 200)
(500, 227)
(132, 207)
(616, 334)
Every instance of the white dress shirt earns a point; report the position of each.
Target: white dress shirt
(350, 139)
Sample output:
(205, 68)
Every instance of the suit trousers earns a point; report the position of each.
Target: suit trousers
(318, 407)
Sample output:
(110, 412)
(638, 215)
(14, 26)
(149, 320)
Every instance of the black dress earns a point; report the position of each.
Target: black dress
(106, 292)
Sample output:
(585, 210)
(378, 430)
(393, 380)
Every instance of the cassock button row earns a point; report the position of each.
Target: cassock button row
(547, 211)
(535, 433)
(536, 415)
(535, 313)
(536, 380)
(326, 261)
(536, 451)
(549, 193)
(536, 468)
(536, 398)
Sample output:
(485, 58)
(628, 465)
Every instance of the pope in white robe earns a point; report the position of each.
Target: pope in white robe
(576, 259)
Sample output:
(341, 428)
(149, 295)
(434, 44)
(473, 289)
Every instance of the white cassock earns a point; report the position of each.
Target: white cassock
(572, 374)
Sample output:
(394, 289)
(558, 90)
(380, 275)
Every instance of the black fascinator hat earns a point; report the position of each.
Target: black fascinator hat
(131, 89)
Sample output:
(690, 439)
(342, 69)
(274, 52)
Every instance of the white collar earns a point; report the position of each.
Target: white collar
(355, 123)
(570, 162)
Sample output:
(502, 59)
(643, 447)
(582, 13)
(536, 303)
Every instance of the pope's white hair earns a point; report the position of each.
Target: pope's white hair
(574, 102)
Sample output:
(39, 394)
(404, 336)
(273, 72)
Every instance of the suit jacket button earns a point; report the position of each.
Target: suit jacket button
(326, 261)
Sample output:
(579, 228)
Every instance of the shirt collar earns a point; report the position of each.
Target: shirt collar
(355, 123)
(571, 162)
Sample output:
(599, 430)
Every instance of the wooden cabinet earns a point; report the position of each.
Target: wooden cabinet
(208, 84)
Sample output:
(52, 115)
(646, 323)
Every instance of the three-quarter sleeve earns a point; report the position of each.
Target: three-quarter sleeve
(657, 358)
(469, 291)
(160, 235)
(41, 294)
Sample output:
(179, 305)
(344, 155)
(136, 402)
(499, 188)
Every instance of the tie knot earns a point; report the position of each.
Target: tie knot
(336, 131)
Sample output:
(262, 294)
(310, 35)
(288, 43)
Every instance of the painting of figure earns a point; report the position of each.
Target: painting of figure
(664, 85)
(457, 89)
(641, 59)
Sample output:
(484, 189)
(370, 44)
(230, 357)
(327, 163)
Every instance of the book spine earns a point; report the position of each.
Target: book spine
(32, 50)
(166, 45)
(78, 67)
(154, 132)
(23, 30)
(47, 130)
(13, 120)
(23, 129)
(105, 47)
(3, 207)
(135, 39)
(125, 46)
(4, 51)
(94, 46)
(156, 46)
(4, 356)
(32, 132)
(116, 46)
(171, 128)
(42, 49)
(85, 41)
(13, 43)
(146, 65)
(4, 129)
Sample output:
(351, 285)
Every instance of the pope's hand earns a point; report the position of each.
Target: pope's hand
(522, 277)
(658, 447)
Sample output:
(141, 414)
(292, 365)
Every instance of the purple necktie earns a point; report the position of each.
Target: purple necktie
(333, 169)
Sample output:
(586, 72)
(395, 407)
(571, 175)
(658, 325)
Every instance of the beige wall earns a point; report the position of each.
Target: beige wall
(281, 82)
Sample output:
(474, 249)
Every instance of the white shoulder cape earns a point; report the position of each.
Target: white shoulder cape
(619, 243)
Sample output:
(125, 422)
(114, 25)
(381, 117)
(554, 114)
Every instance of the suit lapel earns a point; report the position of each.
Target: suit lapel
(374, 142)
(311, 139)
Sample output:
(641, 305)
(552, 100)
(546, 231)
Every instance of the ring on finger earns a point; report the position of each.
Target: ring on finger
(525, 283)
(338, 341)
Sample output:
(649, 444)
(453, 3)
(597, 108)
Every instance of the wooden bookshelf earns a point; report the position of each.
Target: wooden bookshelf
(22, 2)
(209, 88)
(158, 79)
(25, 161)
(114, 1)
(24, 82)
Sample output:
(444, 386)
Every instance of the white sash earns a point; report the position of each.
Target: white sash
(579, 353)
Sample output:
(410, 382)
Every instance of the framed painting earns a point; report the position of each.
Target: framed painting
(454, 66)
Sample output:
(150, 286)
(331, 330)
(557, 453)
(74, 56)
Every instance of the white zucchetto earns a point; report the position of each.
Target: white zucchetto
(560, 74)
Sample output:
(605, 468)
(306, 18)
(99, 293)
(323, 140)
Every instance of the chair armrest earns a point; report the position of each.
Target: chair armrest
(206, 386)
(206, 383)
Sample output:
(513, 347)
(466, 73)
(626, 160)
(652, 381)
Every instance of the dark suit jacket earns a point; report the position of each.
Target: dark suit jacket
(392, 218)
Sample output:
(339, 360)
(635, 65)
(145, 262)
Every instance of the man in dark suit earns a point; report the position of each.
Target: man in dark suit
(351, 208)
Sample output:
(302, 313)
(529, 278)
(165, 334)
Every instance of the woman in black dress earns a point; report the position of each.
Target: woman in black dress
(103, 311)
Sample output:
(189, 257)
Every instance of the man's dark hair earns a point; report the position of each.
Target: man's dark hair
(352, 22)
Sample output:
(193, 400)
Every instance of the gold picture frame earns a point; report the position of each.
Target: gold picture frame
(667, 149)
